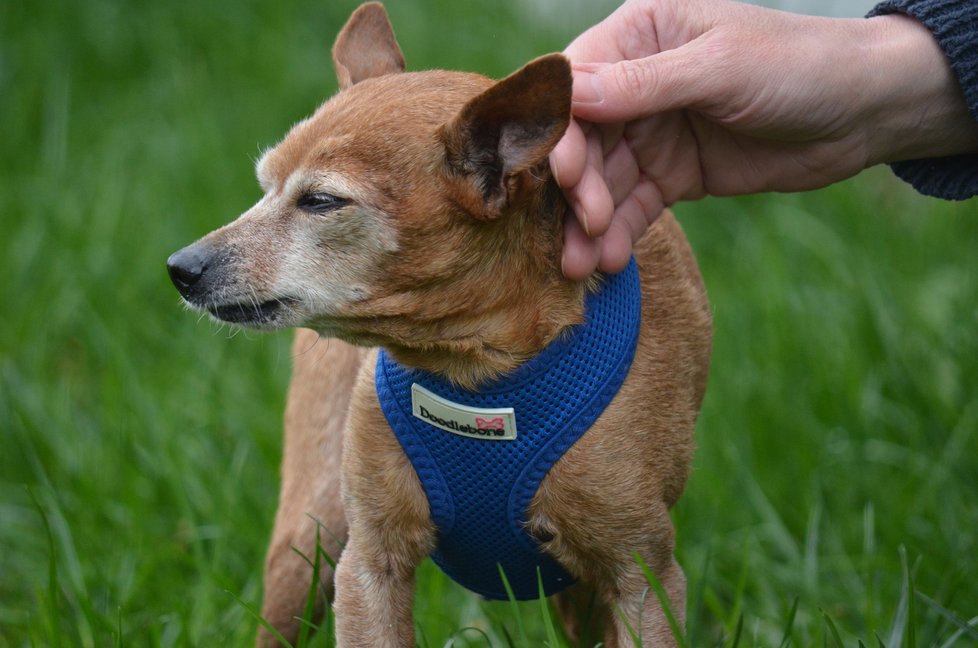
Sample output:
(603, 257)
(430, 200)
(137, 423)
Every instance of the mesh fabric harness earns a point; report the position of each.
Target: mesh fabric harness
(479, 490)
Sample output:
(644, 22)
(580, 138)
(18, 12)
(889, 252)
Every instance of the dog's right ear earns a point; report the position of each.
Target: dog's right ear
(366, 47)
(505, 132)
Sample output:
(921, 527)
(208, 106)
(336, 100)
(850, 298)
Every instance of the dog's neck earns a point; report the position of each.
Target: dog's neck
(486, 346)
(524, 301)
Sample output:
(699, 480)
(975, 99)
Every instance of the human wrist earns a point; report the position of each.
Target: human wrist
(916, 107)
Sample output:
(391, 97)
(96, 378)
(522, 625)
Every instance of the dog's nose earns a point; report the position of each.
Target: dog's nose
(186, 267)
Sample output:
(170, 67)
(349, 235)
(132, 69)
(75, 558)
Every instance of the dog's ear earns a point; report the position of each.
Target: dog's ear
(508, 129)
(366, 47)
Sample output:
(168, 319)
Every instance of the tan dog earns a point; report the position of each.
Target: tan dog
(415, 212)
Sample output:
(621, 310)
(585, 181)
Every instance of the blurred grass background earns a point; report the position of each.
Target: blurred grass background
(838, 446)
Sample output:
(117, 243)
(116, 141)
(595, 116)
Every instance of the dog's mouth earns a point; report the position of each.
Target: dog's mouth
(252, 313)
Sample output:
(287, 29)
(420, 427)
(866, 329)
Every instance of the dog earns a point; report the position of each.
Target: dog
(414, 221)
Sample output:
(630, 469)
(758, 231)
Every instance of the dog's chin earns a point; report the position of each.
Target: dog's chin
(267, 315)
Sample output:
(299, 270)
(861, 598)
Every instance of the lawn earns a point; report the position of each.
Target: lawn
(834, 497)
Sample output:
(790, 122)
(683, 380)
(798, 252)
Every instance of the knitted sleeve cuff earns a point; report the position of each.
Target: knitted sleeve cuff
(954, 24)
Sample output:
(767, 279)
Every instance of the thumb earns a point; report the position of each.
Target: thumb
(631, 89)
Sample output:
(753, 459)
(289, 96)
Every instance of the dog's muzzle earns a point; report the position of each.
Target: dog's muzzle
(204, 275)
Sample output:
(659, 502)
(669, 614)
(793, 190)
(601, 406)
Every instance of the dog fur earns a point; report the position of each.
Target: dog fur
(416, 211)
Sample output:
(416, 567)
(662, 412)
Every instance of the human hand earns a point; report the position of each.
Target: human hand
(677, 99)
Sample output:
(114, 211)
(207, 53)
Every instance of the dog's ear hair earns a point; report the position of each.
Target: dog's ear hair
(366, 46)
(508, 129)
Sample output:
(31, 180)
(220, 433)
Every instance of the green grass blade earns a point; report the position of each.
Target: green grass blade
(911, 601)
(636, 639)
(660, 592)
(508, 637)
(789, 625)
(423, 637)
(260, 619)
(312, 626)
(743, 575)
(52, 590)
(322, 554)
(310, 607)
(963, 627)
(694, 611)
(458, 634)
(513, 606)
(967, 629)
(738, 632)
(339, 543)
(833, 631)
(903, 622)
(548, 622)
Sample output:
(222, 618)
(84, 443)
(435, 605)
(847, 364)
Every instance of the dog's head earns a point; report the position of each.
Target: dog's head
(406, 201)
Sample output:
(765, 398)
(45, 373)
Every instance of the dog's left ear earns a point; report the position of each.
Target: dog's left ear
(366, 46)
(508, 129)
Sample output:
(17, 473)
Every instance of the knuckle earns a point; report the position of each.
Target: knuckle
(635, 79)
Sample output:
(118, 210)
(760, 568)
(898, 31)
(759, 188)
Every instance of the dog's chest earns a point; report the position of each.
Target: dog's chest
(481, 456)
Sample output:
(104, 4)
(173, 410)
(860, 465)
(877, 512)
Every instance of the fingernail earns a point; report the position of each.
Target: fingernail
(582, 218)
(587, 87)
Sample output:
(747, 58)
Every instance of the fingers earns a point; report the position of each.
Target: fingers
(592, 200)
(581, 252)
(569, 156)
(578, 166)
(611, 251)
(621, 172)
(632, 218)
(613, 202)
(577, 163)
(652, 56)
(616, 248)
(632, 89)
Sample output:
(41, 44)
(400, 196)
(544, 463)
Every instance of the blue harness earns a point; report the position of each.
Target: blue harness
(479, 479)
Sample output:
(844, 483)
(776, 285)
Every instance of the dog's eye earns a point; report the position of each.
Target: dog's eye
(320, 203)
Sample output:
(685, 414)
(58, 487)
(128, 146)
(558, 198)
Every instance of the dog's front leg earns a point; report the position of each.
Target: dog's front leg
(389, 537)
(640, 606)
(373, 598)
(323, 376)
(391, 530)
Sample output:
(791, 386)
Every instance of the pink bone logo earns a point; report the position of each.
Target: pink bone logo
(497, 423)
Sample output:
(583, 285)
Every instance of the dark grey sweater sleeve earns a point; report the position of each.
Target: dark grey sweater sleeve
(954, 24)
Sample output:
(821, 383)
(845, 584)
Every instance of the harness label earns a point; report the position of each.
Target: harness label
(491, 424)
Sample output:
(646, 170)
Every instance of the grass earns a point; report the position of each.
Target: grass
(834, 496)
